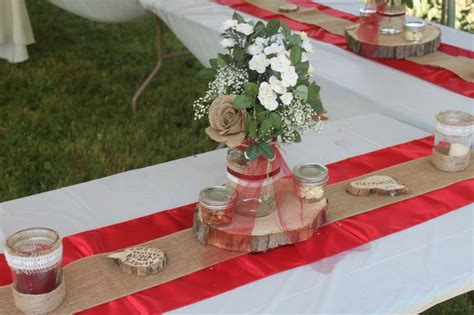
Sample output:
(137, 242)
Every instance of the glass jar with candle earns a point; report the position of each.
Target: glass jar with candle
(312, 178)
(414, 31)
(453, 134)
(216, 205)
(34, 256)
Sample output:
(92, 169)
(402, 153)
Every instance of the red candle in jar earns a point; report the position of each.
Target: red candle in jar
(34, 256)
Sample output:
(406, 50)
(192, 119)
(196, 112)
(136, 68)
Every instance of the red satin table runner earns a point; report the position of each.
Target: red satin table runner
(331, 239)
(438, 76)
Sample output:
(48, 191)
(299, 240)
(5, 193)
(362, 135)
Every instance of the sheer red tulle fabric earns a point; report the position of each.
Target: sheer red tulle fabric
(331, 239)
(438, 76)
(265, 187)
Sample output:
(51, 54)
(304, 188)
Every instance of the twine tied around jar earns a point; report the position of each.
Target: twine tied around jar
(40, 303)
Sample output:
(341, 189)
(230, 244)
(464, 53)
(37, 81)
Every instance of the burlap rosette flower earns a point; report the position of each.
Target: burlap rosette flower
(226, 122)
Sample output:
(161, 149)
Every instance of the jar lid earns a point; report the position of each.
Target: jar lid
(454, 123)
(415, 25)
(217, 197)
(311, 173)
(366, 12)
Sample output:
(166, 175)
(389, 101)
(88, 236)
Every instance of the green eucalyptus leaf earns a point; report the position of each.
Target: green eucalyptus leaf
(252, 129)
(238, 17)
(251, 89)
(302, 92)
(266, 128)
(266, 150)
(242, 101)
(302, 68)
(238, 53)
(286, 30)
(295, 40)
(272, 27)
(213, 63)
(252, 152)
(206, 74)
(295, 55)
(276, 120)
(296, 137)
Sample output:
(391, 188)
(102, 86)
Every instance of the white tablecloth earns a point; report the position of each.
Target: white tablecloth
(403, 272)
(15, 30)
(351, 84)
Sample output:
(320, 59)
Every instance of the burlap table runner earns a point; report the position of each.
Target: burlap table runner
(96, 279)
(462, 66)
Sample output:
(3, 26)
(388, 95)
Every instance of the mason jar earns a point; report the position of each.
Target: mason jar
(312, 179)
(34, 256)
(414, 31)
(392, 17)
(452, 144)
(216, 205)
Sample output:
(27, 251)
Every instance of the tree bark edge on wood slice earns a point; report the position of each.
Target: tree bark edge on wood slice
(224, 238)
(394, 46)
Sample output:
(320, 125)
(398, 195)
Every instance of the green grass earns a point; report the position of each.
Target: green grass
(65, 113)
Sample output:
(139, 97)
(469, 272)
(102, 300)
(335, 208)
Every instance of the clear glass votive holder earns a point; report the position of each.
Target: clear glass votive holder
(217, 205)
(414, 31)
(34, 256)
(312, 179)
(452, 143)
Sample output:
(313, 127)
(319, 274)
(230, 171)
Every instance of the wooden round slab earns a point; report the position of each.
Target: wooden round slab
(140, 261)
(393, 46)
(287, 226)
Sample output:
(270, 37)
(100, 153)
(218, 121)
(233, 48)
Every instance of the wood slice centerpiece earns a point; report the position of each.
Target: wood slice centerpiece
(393, 46)
(286, 225)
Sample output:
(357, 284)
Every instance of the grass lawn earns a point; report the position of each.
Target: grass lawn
(65, 113)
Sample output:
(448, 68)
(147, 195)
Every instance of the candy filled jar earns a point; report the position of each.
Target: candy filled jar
(453, 137)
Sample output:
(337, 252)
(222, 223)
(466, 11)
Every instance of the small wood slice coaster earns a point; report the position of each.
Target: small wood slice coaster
(140, 261)
(393, 46)
(290, 7)
(379, 184)
(282, 227)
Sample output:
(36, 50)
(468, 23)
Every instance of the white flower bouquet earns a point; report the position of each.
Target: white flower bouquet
(260, 90)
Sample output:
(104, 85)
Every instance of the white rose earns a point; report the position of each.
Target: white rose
(287, 98)
(227, 42)
(276, 85)
(274, 49)
(280, 63)
(254, 49)
(303, 35)
(229, 24)
(306, 45)
(244, 28)
(289, 77)
(259, 63)
(267, 97)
